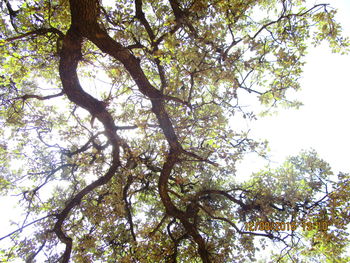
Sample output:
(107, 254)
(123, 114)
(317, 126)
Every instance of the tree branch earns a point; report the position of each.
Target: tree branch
(41, 31)
(38, 97)
(22, 227)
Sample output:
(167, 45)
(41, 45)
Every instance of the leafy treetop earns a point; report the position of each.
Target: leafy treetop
(120, 139)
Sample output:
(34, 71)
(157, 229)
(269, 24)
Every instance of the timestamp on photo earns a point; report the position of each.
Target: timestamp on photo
(286, 226)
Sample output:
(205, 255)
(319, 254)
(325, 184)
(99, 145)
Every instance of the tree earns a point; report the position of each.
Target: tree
(141, 166)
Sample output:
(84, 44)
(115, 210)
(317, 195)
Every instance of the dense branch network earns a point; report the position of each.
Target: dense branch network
(84, 24)
(183, 92)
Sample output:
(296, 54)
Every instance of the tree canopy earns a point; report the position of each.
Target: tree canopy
(120, 134)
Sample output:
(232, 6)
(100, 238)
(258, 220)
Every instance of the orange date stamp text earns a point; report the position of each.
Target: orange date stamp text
(286, 226)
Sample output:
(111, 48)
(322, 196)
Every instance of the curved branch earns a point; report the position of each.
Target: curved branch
(75, 201)
(141, 16)
(301, 14)
(220, 192)
(128, 206)
(22, 227)
(172, 210)
(234, 225)
(38, 97)
(38, 32)
(69, 57)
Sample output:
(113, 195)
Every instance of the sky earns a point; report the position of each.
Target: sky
(323, 122)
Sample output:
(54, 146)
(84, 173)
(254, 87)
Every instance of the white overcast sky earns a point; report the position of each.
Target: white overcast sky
(323, 122)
